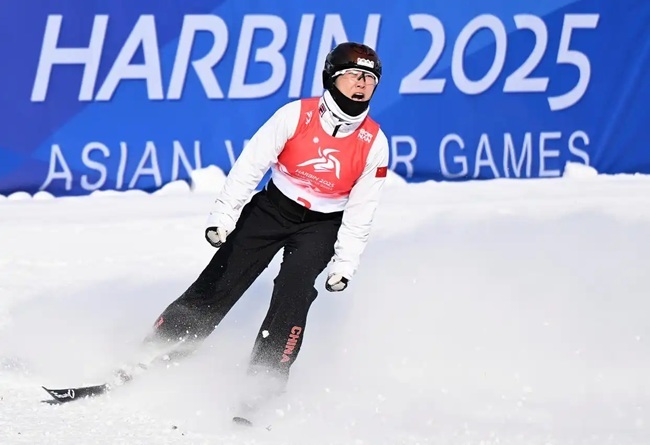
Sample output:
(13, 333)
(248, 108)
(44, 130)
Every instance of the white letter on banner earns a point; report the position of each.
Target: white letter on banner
(573, 57)
(544, 153)
(231, 150)
(271, 54)
(333, 31)
(203, 66)
(300, 55)
(575, 150)
(94, 165)
(124, 155)
(463, 83)
(143, 33)
(404, 158)
(52, 174)
(462, 160)
(180, 157)
(519, 81)
(484, 146)
(52, 55)
(510, 153)
(415, 82)
(154, 170)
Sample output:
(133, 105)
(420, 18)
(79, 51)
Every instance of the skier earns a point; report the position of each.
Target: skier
(329, 161)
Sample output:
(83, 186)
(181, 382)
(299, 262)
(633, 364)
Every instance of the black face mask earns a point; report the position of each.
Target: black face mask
(348, 106)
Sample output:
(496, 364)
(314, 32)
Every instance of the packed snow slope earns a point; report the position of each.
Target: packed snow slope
(499, 312)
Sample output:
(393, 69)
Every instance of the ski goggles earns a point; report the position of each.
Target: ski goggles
(354, 74)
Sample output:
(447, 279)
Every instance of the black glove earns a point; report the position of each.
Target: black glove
(336, 283)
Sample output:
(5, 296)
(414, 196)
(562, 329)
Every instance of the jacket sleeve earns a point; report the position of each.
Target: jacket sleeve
(360, 211)
(258, 155)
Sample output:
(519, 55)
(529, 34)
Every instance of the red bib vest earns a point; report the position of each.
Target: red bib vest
(321, 164)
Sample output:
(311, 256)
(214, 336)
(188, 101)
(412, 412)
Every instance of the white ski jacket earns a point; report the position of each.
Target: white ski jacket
(262, 152)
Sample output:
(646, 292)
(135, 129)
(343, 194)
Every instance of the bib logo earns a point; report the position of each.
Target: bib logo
(327, 162)
(365, 135)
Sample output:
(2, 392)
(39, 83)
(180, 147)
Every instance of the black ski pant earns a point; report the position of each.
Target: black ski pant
(268, 223)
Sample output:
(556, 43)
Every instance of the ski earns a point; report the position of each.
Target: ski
(121, 376)
(66, 395)
(242, 421)
(246, 423)
(254, 411)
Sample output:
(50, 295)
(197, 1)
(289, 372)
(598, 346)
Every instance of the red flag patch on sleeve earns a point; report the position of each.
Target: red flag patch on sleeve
(381, 172)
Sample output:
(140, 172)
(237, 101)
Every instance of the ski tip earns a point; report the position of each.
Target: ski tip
(61, 394)
(70, 394)
(242, 421)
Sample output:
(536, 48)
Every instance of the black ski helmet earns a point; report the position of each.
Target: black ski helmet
(350, 55)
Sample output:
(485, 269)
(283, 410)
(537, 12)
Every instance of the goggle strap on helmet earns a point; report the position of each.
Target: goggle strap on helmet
(357, 72)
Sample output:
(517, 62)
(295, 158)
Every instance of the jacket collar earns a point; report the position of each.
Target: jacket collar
(331, 116)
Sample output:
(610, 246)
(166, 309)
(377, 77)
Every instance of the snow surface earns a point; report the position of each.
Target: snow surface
(484, 313)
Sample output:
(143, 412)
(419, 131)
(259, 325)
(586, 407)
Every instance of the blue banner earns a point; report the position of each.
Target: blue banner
(100, 95)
